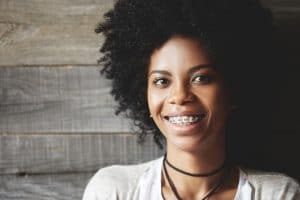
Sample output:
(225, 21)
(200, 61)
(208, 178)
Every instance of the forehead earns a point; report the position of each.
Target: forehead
(179, 51)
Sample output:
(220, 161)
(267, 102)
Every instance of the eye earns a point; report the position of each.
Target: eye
(161, 82)
(201, 78)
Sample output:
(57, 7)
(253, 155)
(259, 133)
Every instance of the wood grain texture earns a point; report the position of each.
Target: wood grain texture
(26, 44)
(31, 154)
(55, 32)
(43, 187)
(50, 32)
(60, 99)
(84, 12)
(54, 12)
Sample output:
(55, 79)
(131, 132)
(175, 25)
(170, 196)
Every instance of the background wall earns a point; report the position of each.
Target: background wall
(57, 123)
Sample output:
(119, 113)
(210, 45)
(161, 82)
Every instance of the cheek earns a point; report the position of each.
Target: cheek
(220, 104)
(152, 100)
(155, 100)
(216, 100)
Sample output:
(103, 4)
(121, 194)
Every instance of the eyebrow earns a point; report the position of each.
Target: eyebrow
(197, 67)
(191, 70)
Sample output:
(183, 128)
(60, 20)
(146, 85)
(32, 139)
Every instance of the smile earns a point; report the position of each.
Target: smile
(185, 119)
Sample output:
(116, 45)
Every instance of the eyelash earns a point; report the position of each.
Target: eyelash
(157, 83)
(164, 82)
(204, 78)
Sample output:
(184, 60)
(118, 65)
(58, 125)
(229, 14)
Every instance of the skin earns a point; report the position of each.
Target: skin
(182, 81)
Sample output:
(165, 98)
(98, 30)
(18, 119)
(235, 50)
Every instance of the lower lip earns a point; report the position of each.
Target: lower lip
(186, 129)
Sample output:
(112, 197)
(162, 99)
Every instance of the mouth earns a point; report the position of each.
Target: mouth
(184, 120)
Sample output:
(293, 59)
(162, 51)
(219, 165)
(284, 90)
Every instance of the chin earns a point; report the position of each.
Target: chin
(188, 144)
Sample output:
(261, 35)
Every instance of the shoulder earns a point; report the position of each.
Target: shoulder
(267, 184)
(116, 182)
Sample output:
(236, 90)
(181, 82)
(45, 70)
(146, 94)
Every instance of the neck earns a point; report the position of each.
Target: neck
(202, 160)
(203, 174)
(195, 162)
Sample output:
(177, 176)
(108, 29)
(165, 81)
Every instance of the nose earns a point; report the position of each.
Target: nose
(180, 94)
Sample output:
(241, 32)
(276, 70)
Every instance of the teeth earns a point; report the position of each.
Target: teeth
(185, 120)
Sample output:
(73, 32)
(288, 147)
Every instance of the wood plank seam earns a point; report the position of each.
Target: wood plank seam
(70, 65)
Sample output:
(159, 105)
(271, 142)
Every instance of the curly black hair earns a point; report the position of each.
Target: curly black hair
(236, 33)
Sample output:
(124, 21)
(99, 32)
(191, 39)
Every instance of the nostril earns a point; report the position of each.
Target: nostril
(181, 98)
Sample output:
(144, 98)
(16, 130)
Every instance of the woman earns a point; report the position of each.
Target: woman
(186, 71)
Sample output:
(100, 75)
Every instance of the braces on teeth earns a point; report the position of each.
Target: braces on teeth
(184, 120)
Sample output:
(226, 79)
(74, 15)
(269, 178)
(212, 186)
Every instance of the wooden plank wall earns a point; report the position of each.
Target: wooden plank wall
(57, 122)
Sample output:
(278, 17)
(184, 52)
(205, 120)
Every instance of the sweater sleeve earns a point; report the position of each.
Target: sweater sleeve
(100, 187)
(269, 185)
(117, 182)
(114, 183)
(296, 187)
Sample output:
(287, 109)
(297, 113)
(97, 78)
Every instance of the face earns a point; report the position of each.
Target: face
(186, 96)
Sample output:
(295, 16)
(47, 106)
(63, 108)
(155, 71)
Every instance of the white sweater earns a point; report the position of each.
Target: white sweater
(143, 182)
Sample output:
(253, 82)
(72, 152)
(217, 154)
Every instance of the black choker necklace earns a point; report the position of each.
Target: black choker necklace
(192, 174)
(214, 189)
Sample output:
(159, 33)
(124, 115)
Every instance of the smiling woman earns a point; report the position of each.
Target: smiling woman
(195, 62)
(187, 99)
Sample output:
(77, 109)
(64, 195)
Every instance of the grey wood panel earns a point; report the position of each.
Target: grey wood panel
(50, 32)
(83, 12)
(29, 154)
(55, 32)
(26, 44)
(43, 187)
(60, 99)
(56, 12)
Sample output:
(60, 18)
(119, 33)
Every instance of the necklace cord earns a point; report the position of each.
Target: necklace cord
(173, 188)
(208, 194)
(215, 171)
